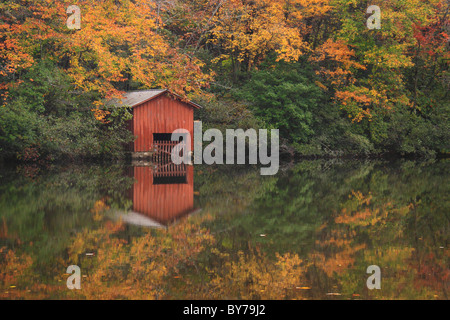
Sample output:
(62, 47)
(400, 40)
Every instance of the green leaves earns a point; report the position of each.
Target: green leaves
(285, 98)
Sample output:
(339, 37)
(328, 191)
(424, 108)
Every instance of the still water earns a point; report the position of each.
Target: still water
(204, 232)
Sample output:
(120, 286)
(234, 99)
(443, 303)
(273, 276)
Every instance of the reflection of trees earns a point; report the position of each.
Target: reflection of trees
(12, 268)
(324, 226)
(254, 275)
(114, 268)
(341, 218)
(138, 268)
(51, 207)
(229, 189)
(399, 224)
(293, 206)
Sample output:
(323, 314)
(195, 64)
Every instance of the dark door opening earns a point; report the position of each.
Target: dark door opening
(170, 180)
(165, 137)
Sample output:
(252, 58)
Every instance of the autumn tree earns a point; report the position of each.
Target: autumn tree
(117, 47)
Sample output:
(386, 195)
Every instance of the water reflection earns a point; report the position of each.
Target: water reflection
(308, 233)
(161, 195)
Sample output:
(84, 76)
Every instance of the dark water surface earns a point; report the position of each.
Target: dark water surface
(310, 232)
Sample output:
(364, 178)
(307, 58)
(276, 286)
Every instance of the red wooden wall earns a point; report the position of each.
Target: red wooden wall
(162, 114)
(162, 202)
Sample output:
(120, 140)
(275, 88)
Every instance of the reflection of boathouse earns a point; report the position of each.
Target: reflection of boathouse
(161, 195)
(164, 194)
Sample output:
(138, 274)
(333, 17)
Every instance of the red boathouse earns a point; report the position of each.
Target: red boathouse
(156, 115)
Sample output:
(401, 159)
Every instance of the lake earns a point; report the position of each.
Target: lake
(226, 232)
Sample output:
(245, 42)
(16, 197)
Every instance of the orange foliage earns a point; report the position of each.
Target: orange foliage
(339, 262)
(117, 42)
(138, 269)
(336, 66)
(255, 276)
(12, 268)
(248, 30)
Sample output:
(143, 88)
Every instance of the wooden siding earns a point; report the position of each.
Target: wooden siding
(162, 114)
(162, 202)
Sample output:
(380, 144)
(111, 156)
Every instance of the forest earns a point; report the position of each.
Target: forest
(313, 69)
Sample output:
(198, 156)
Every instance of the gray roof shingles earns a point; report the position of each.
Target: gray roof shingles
(135, 98)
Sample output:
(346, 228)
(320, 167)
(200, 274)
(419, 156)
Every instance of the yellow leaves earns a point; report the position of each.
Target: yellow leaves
(338, 52)
(337, 263)
(12, 55)
(222, 255)
(335, 242)
(390, 254)
(321, 85)
(256, 276)
(314, 8)
(116, 43)
(12, 268)
(356, 101)
(361, 214)
(358, 218)
(141, 267)
(393, 57)
(358, 211)
(98, 208)
(248, 31)
(100, 115)
(361, 198)
(336, 64)
(346, 96)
